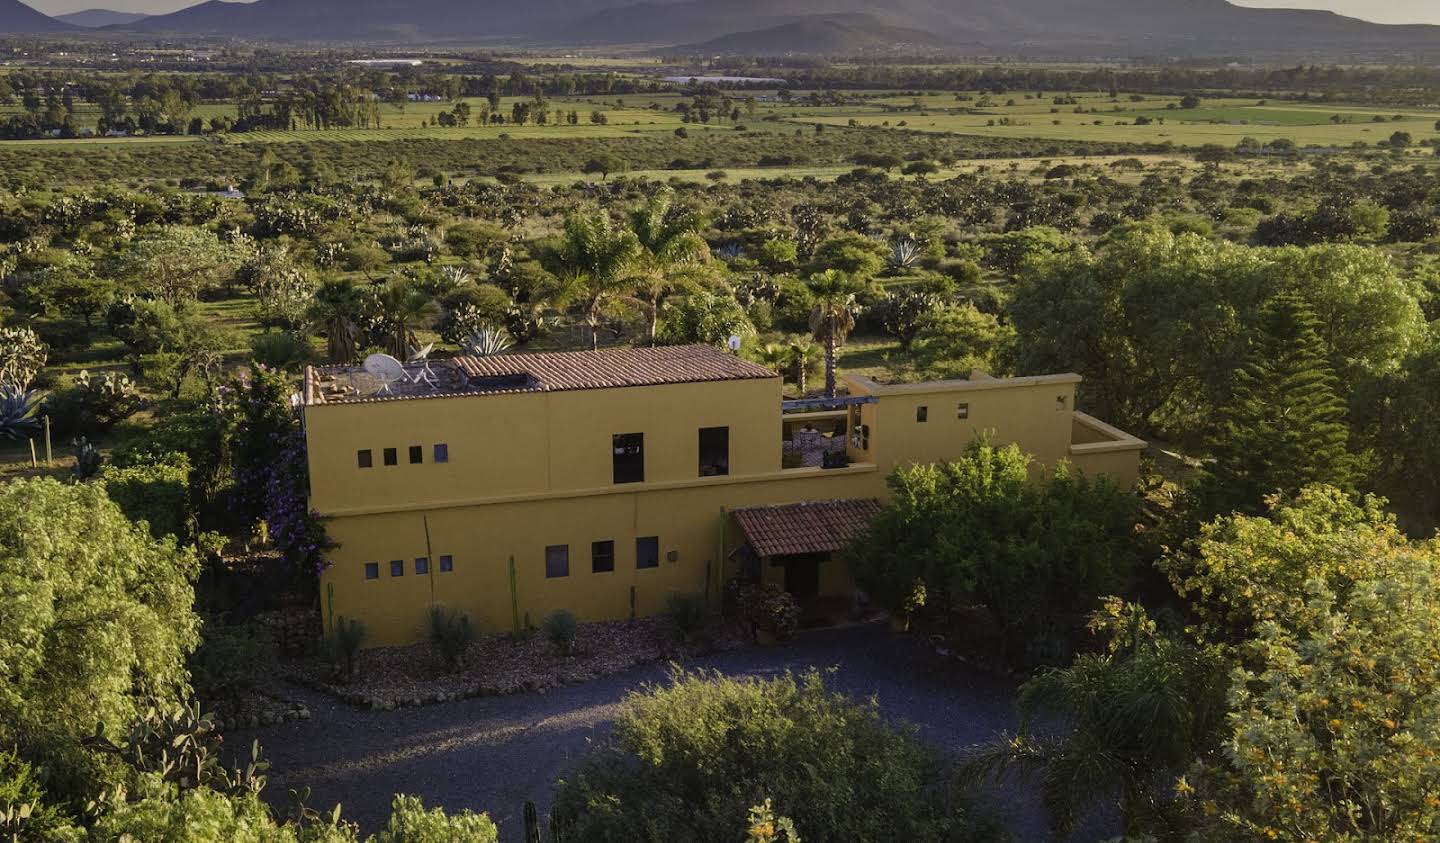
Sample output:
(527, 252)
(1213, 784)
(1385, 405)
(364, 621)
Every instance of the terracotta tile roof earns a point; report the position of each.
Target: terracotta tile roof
(814, 527)
(570, 370)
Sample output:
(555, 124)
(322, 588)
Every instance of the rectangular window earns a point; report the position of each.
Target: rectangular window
(647, 552)
(557, 561)
(372, 570)
(629, 457)
(417, 455)
(391, 458)
(714, 451)
(442, 453)
(397, 568)
(602, 557)
(422, 566)
(963, 411)
(366, 459)
(922, 414)
(447, 564)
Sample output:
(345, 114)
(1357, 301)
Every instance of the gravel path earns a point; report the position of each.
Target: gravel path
(493, 753)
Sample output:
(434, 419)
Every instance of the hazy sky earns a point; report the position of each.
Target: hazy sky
(1387, 11)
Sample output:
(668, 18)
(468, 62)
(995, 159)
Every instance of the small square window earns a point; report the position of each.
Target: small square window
(365, 459)
(442, 453)
(417, 455)
(447, 564)
(922, 414)
(372, 570)
(391, 457)
(397, 568)
(557, 561)
(647, 552)
(963, 412)
(602, 557)
(422, 566)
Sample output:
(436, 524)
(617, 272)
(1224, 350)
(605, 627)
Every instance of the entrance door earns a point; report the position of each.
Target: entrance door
(802, 575)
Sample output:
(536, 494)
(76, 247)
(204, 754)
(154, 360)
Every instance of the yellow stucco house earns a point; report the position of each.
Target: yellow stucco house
(512, 486)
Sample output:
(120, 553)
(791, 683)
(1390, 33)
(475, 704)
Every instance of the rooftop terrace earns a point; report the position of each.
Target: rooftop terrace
(515, 373)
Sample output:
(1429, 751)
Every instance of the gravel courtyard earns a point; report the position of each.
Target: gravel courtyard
(493, 753)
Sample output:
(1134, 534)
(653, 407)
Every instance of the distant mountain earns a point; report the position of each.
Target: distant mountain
(1068, 27)
(16, 17)
(846, 34)
(96, 18)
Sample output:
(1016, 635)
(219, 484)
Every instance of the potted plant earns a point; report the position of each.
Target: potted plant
(773, 613)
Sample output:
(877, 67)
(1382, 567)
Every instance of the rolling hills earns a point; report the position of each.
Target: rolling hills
(96, 18)
(18, 17)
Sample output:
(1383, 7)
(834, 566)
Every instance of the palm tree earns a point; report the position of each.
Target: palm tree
(335, 311)
(672, 256)
(833, 317)
(802, 357)
(401, 307)
(593, 261)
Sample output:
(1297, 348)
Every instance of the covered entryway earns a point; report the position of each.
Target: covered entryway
(795, 546)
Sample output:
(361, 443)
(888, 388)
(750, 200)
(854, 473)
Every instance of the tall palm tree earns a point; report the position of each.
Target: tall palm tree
(833, 316)
(593, 261)
(671, 255)
(802, 357)
(401, 308)
(335, 311)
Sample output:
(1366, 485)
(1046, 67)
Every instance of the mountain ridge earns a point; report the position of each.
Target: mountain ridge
(16, 17)
(96, 18)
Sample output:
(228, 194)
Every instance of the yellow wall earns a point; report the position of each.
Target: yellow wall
(531, 470)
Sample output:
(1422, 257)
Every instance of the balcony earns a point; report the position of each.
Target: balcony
(814, 440)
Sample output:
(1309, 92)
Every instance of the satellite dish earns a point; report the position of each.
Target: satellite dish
(418, 354)
(385, 368)
(735, 343)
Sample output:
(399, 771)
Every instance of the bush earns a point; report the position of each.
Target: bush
(687, 616)
(689, 761)
(560, 630)
(280, 350)
(410, 822)
(772, 610)
(223, 669)
(154, 490)
(451, 636)
(345, 647)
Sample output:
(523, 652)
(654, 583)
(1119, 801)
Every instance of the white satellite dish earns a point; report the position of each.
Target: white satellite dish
(419, 354)
(385, 368)
(735, 344)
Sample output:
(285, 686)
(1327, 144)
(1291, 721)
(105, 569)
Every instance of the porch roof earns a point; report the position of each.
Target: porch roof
(811, 527)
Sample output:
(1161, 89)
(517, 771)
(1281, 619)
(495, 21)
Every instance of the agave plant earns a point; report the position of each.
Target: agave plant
(488, 341)
(904, 252)
(87, 460)
(17, 412)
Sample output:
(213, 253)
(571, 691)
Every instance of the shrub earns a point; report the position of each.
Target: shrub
(687, 616)
(280, 350)
(345, 647)
(772, 609)
(451, 636)
(690, 761)
(91, 403)
(223, 669)
(560, 630)
(411, 822)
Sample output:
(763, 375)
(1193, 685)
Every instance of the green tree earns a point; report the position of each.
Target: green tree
(398, 310)
(177, 262)
(593, 261)
(154, 490)
(336, 311)
(671, 255)
(832, 317)
(98, 620)
(689, 760)
(1400, 419)
(1284, 427)
(704, 317)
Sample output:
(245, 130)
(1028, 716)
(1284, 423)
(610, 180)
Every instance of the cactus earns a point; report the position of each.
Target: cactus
(17, 412)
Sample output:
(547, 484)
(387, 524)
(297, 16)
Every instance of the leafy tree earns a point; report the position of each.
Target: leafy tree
(903, 313)
(1284, 427)
(978, 531)
(1400, 416)
(593, 261)
(396, 311)
(177, 262)
(851, 254)
(170, 344)
(336, 312)
(958, 339)
(153, 491)
(704, 317)
(688, 761)
(98, 620)
(832, 317)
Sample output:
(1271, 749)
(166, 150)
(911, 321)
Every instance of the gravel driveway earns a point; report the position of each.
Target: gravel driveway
(493, 753)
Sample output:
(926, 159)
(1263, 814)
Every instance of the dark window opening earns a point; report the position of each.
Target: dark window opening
(442, 453)
(422, 566)
(447, 564)
(397, 568)
(417, 455)
(629, 457)
(391, 458)
(372, 570)
(602, 557)
(365, 458)
(557, 561)
(647, 552)
(922, 414)
(963, 411)
(714, 451)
